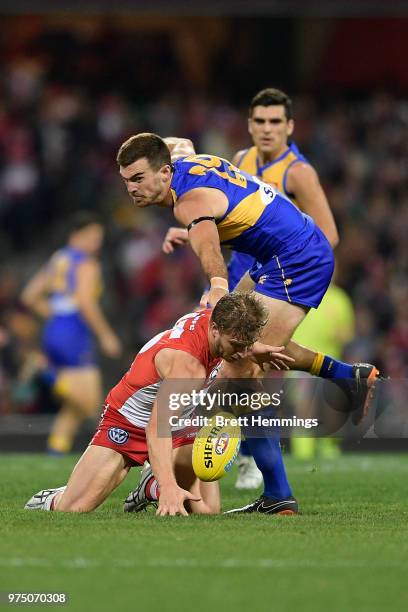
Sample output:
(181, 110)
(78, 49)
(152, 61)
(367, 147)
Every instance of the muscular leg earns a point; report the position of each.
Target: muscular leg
(81, 387)
(98, 472)
(80, 391)
(283, 320)
(245, 284)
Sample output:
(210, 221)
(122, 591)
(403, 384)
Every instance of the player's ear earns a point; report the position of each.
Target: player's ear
(250, 125)
(214, 330)
(291, 127)
(165, 171)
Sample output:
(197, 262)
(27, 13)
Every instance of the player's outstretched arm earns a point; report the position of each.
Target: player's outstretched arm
(304, 183)
(172, 365)
(197, 210)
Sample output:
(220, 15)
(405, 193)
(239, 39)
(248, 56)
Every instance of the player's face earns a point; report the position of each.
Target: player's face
(227, 347)
(270, 129)
(93, 238)
(145, 185)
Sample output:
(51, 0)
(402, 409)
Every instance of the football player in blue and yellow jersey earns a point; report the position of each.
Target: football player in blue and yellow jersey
(220, 204)
(66, 292)
(276, 160)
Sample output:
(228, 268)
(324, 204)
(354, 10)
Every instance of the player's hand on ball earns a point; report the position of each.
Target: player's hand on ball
(264, 354)
(171, 501)
(175, 237)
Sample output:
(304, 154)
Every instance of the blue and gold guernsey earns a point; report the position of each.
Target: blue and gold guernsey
(275, 172)
(67, 339)
(260, 221)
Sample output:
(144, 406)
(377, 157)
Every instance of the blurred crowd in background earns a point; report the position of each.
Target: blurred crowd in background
(69, 97)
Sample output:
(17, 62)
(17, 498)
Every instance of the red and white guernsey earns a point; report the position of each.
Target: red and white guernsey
(134, 395)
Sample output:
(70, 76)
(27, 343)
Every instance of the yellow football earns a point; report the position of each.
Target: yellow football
(216, 447)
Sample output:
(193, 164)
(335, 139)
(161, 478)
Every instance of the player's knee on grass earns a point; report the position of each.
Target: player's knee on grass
(208, 492)
(98, 472)
(183, 466)
(71, 501)
(210, 495)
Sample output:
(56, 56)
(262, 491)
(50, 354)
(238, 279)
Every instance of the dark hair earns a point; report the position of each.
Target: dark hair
(147, 145)
(240, 314)
(272, 97)
(81, 219)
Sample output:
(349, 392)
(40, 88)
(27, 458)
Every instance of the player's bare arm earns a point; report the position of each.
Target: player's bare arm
(34, 295)
(198, 210)
(89, 276)
(170, 364)
(303, 182)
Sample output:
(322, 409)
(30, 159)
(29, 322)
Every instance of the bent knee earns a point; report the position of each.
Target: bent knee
(77, 503)
(80, 505)
(214, 508)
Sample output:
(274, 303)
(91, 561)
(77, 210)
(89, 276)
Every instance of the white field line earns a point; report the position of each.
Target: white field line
(81, 562)
(366, 465)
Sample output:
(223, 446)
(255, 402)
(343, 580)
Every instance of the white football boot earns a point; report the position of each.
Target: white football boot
(43, 499)
(137, 501)
(249, 476)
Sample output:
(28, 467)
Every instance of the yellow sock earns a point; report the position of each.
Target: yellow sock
(317, 364)
(61, 386)
(59, 443)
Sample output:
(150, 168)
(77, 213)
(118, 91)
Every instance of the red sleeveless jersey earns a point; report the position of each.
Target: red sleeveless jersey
(135, 394)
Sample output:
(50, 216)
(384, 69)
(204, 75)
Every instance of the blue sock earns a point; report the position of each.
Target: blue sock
(328, 367)
(268, 457)
(244, 449)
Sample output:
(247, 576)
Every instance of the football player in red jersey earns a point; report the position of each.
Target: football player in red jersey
(135, 424)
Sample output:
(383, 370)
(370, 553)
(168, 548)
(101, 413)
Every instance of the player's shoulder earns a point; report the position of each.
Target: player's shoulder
(300, 171)
(189, 335)
(190, 331)
(243, 154)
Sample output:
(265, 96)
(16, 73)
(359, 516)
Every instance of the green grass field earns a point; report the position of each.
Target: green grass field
(346, 551)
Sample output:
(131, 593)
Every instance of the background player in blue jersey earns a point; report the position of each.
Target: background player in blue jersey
(219, 204)
(275, 159)
(65, 292)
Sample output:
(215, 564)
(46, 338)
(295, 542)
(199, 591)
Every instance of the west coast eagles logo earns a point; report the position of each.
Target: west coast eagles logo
(117, 435)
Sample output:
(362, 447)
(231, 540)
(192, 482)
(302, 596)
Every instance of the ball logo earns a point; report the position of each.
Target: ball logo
(221, 444)
(117, 435)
